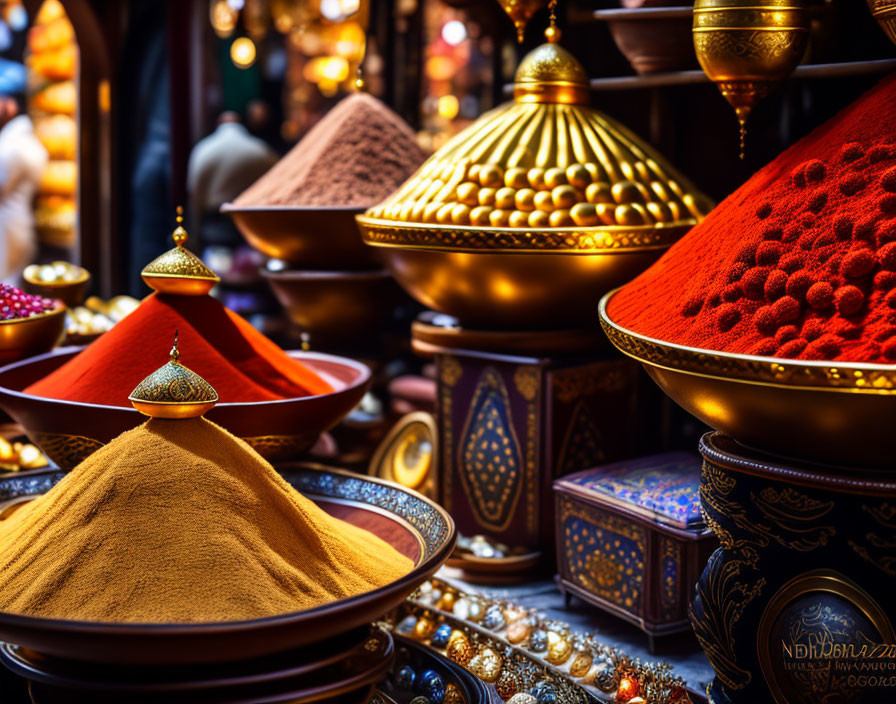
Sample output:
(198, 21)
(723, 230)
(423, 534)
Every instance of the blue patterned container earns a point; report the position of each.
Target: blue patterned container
(631, 539)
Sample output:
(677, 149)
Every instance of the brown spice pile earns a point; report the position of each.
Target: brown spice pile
(357, 155)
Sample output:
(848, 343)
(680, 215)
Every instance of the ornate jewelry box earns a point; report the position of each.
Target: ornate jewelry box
(632, 540)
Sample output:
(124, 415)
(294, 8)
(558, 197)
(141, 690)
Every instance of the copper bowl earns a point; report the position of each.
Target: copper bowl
(523, 279)
(837, 414)
(72, 293)
(313, 238)
(653, 39)
(25, 337)
(69, 431)
(336, 306)
(415, 526)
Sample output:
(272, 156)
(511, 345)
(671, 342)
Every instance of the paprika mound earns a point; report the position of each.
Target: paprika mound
(799, 262)
(223, 348)
(178, 521)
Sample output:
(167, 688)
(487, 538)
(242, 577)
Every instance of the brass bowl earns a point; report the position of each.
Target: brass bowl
(884, 11)
(417, 527)
(313, 238)
(516, 278)
(68, 431)
(72, 293)
(26, 337)
(838, 414)
(653, 39)
(336, 306)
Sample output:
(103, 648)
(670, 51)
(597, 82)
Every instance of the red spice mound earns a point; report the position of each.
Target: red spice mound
(356, 155)
(799, 262)
(216, 343)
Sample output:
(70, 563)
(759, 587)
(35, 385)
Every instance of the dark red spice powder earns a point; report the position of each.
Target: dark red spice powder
(800, 262)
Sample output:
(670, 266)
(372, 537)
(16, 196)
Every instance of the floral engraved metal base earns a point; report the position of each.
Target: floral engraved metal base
(781, 526)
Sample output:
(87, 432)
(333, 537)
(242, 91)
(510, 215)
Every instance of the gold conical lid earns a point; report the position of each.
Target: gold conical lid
(544, 172)
(178, 270)
(173, 391)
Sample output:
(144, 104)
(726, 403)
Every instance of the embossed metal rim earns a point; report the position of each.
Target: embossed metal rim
(847, 377)
(607, 239)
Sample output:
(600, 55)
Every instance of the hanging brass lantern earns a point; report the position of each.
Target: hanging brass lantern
(747, 46)
(520, 12)
(884, 11)
(525, 217)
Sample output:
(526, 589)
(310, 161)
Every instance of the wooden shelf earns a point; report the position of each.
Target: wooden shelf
(681, 78)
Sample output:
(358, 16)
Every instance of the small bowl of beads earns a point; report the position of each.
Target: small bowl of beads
(29, 325)
(63, 280)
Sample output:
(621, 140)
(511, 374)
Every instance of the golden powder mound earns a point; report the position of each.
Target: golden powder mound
(179, 521)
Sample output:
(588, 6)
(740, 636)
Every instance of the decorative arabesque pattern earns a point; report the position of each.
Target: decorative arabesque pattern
(490, 457)
(425, 518)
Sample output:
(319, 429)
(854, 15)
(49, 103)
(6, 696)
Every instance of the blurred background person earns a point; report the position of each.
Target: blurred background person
(22, 162)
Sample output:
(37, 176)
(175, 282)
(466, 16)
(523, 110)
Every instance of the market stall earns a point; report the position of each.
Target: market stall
(449, 352)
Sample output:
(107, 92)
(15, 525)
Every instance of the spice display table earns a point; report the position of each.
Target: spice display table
(802, 581)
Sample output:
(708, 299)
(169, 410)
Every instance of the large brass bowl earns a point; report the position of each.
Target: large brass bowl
(515, 278)
(823, 412)
(26, 337)
(336, 306)
(311, 238)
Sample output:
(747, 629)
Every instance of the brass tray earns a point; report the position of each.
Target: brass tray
(831, 413)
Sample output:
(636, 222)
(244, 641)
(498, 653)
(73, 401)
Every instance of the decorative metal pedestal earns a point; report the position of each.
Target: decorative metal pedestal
(517, 410)
(796, 605)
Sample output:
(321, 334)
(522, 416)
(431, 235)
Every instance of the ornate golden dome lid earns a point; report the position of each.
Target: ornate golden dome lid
(173, 391)
(543, 172)
(178, 270)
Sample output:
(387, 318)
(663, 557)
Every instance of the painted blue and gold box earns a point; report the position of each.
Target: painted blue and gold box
(631, 539)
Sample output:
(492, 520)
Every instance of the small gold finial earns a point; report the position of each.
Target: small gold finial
(173, 391)
(359, 80)
(179, 271)
(180, 234)
(174, 355)
(552, 33)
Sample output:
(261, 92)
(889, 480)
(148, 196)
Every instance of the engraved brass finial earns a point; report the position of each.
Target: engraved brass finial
(180, 234)
(179, 271)
(552, 33)
(173, 391)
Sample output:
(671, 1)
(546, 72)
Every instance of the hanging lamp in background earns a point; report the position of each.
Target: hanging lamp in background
(746, 47)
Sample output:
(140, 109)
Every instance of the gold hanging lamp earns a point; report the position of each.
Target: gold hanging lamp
(520, 12)
(173, 391)
(179, 271)
(747, 47)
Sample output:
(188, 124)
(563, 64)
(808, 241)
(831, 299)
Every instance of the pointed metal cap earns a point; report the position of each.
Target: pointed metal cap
(173, 391)
(178, 270)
